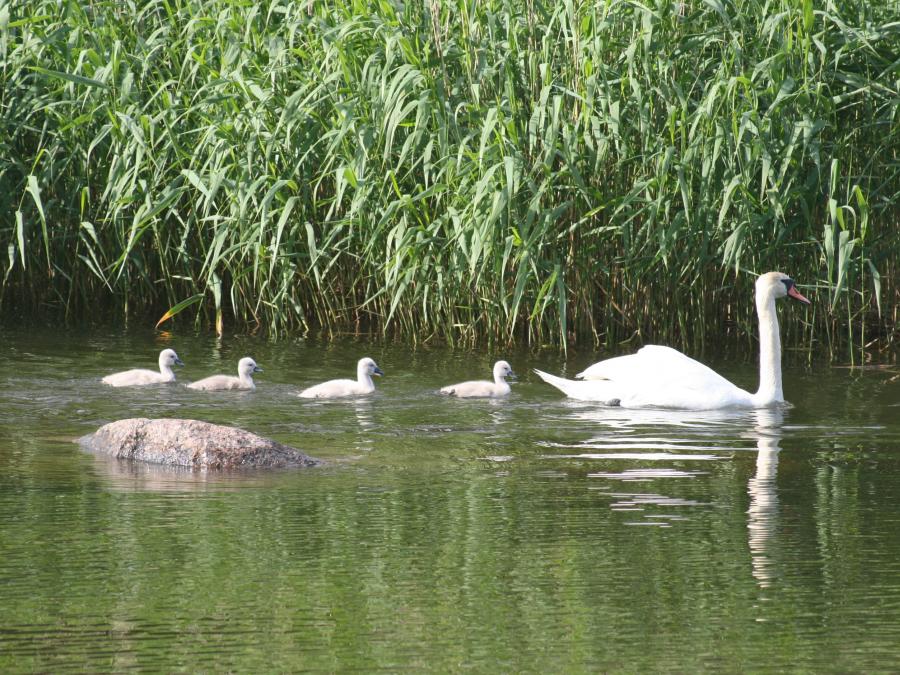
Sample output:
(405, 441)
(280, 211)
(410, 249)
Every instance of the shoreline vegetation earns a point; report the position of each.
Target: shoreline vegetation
(502, 170)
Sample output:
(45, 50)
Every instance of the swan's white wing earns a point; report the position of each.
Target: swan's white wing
(655, 365)
(603, 391)
(606, 369)
(668, 378)
(655, 376)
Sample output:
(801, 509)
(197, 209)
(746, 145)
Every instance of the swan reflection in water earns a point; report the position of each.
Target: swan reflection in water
(694, 436)
(711, 431)
(762, 516)
(362, 408)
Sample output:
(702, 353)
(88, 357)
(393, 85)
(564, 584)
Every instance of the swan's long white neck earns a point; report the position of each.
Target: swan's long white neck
(769, 352)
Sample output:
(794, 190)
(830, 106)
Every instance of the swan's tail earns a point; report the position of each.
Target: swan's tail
(589, 390)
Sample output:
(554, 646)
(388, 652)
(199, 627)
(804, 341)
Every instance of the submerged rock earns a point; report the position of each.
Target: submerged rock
(191, 443)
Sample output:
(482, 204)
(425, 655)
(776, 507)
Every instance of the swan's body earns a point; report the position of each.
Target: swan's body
(483, 388)
(361, 386)
(664, 377)
(140, 376)
(244, 380)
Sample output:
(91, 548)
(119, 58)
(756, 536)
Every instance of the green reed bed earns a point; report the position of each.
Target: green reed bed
(557, 172)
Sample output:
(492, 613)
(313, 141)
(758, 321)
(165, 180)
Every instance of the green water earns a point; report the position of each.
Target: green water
(533, 534)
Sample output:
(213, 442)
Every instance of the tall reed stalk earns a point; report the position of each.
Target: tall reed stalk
(453, 169)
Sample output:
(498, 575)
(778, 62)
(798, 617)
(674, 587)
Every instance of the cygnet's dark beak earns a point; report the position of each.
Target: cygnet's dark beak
(257, 369)
(178, 362)
(378, 371)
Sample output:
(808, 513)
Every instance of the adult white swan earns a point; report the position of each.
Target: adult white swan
(244, 380)
(482, 388)
(362, 385)
(140, 376)
(664, 377)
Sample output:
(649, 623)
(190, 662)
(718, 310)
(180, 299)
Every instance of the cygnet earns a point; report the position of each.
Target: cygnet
(244, 380)
(139, 376)
(483, 388)
(362, 385)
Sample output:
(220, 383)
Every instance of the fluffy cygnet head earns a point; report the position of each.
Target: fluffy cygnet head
(502, 370)
(367, 366)
(168, 358)
(247, 366)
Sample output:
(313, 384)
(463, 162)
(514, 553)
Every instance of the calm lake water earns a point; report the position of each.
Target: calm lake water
(533, 534)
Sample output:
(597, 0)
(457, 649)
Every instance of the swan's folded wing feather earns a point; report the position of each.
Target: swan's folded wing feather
(605, 392)
(666, 365)
(655, 366)
(606, 369)
(662, 377)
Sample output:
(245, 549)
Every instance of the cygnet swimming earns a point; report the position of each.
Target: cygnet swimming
(140, 376)
(336, 388)
(244, 380)
(475, 388)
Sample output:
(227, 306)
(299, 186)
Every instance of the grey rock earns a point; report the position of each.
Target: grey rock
(193, 444)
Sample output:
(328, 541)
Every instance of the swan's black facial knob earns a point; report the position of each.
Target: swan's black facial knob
(792, 292)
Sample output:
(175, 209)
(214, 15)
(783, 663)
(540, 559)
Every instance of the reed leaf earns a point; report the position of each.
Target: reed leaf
(500, 170)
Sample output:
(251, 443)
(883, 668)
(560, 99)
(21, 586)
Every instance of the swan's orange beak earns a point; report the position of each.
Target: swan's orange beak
(797, 295)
